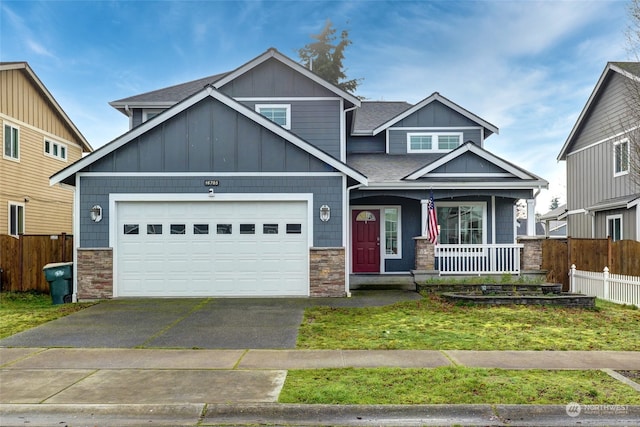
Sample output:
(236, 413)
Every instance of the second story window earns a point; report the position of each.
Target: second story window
(432, 142)
(55, 149)
(149, 113)
(621, 158)
(11, 142)
(278, 113)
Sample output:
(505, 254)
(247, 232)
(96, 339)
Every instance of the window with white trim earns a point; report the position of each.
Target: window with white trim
(427, 142)
(392, 239)
(11, 142)
(614, 227)
(462, 223)
(16, 218)
(55, 149)
(621, 158)
(278, 113)
(149, 113)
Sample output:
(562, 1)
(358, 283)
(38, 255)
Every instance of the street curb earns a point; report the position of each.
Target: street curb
(318, 415)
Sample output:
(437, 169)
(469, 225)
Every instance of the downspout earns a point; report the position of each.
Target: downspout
(347, 237)
(130, 115)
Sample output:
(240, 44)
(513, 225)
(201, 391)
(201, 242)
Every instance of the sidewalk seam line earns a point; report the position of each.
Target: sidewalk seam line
(237, 364)
(161, 332)
(43, 401)
(26, 356)
(451, 358)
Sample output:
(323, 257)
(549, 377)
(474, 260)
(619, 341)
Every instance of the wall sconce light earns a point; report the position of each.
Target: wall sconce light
(325, 213)
(96, 213)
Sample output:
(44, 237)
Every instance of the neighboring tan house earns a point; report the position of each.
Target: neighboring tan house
(270, 181)
(38, 139)
(602, 199)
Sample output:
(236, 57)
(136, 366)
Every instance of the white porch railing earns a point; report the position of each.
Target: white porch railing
(478, 259)
(616, 288)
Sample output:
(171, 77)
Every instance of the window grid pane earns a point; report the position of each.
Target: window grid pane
(448, 142)
(278, 115)
(622, 157)
(421, 142)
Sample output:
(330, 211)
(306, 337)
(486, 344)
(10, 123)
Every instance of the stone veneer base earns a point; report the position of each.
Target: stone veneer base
(95, 273)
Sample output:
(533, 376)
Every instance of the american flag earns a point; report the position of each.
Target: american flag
(432, 221)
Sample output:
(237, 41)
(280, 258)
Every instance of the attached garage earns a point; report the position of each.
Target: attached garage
(211, 248)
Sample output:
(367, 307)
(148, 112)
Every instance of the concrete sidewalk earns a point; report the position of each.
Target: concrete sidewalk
(185, 387)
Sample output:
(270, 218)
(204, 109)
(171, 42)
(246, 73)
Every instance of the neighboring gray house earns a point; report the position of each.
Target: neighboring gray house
(602, 199)
(268, 180)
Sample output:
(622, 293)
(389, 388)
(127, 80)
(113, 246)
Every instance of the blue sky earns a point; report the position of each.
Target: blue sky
(528, 67)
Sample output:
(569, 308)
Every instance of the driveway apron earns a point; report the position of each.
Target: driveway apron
(205, 323)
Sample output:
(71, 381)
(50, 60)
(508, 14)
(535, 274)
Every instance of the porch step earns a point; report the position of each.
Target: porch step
(380, 282)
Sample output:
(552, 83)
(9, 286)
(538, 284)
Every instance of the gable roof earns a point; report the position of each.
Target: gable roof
(166, 97)
(274, 53)
(412, 170)
(208, 91)
(372, 114)
(31, 76)
(489, 128)
(630, 70)
(469, 146)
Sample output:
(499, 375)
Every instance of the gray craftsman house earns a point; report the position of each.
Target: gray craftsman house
(270, 181)
(602, 199)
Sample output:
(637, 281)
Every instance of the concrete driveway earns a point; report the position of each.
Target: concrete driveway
(207, 323)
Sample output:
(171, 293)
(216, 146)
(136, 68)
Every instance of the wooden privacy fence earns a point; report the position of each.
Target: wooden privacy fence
(558, 255)
(22, 259)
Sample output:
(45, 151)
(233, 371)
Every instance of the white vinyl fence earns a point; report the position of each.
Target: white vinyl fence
(610, 287)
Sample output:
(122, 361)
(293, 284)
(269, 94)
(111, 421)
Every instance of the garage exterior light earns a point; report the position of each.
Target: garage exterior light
(325, 213)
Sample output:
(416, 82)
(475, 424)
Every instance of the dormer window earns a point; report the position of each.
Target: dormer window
(433, 142)
(278, 113)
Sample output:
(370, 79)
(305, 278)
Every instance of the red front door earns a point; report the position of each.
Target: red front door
(365, 241)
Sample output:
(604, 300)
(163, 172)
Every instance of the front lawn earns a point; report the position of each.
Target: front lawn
(433, 324)
(454, 385)
(20, 311)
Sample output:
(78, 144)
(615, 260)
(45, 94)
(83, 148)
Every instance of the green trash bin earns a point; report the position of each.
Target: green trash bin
(59, 275)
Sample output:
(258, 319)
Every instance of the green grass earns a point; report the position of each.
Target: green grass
(433, 324)
(454, 385)
(20, 311)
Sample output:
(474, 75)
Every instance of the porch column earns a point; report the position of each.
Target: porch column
(531, 217)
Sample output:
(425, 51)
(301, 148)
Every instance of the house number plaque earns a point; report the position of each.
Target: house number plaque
(211, 182)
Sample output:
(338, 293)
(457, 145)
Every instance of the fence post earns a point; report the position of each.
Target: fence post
(572, 280)
(606, 283)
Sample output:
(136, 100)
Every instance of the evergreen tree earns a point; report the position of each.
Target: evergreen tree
(324, 57)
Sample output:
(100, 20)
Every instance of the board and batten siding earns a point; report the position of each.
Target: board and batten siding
(96, 189)
(315, 121)
(628, 223)
(209, 136)
(605, 116)
(591, 180)
(469, 163)
(272, 78)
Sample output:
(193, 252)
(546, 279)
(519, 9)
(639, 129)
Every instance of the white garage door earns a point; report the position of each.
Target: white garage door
(212, 249)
